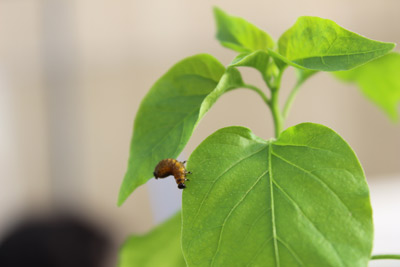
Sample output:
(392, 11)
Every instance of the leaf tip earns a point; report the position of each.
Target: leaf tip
(393, 45)
(387, 47)
(393, 115)
(121, 198)
(216, 9)
(218, 12)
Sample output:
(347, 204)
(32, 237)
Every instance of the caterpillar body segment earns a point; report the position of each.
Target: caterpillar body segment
(167, 167)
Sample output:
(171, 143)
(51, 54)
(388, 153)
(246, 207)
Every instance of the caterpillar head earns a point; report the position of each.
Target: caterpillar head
(181, 186)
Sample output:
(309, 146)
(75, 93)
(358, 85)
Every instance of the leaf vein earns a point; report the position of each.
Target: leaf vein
(307, 146)
(214, 182)
(172, 129)
(341, 55)
(294, 254)
(230, 213)
(316, 178)
(254, 222)
(297, 207)
(259, 251)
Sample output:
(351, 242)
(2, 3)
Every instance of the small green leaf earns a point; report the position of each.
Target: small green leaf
(258, 60)
(238, 34)
(169, 113)
(301, 200)
(160, 247)
(379, 80)
(321, 44)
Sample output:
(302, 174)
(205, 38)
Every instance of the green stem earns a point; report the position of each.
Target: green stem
(258, 91)
(279, 120)
(385, 257)
(276, 113)
(266, 80)
(272, 103)
(291, 98)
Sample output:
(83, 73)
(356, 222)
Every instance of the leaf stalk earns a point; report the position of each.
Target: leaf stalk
(291, 97)
(259, 92)
(385, 257)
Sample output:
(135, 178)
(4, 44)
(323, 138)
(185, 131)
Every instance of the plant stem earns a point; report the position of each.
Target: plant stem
(385, 257)
(276, 113)
(279, 120)
(272, 104)
(266, 80)
(258, 91)
(291, 98)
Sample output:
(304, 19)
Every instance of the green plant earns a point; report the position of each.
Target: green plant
(299, 199)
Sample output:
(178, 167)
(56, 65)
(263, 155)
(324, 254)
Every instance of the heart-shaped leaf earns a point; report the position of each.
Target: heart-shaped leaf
(169, 113)
(320, 44)
(160, 247)
(301, 200)
(379, 80)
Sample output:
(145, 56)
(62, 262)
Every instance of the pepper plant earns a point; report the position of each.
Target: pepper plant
(299, 198)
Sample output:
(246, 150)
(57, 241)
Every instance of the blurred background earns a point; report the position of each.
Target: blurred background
(72, 75)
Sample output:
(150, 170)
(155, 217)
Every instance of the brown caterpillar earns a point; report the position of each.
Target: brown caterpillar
(173, 167)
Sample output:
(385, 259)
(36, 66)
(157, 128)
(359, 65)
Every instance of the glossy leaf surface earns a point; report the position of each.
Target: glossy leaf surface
(169, 113)
(379, 80)
(320, 44)
(160, 247)
(301, 200)
(238, 34)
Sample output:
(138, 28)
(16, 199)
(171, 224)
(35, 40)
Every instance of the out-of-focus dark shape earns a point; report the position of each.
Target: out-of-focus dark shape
(57, 242)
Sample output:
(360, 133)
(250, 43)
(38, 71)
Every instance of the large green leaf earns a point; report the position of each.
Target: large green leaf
(169, 113)
(160, 247)
(238, 34)
(321, 44)
(379, 80)
(301, 200)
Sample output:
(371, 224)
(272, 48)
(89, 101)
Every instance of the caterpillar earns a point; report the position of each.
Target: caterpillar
(173, 167)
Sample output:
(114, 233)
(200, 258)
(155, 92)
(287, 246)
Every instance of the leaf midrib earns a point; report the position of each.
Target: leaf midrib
(340, 55)
(274, 232)
(274, 236)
